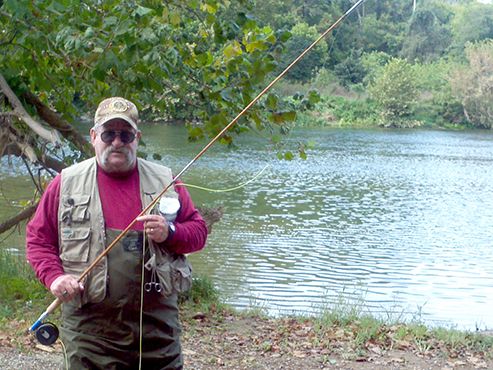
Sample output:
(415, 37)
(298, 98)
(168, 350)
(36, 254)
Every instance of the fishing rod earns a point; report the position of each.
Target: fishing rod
(47, 333)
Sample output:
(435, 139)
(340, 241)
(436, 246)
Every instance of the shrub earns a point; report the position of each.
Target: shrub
(396, 90)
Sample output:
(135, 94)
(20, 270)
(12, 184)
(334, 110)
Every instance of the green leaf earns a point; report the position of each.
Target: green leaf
(276, 138)
(283, 35)
(313, 97)
(226, 94)
(298, 96)
(288, 156)
(110, 21)
(56, 8)
(271, 101)
(89, 32)
(141, 11)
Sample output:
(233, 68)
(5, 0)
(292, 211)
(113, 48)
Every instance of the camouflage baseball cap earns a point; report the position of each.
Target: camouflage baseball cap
(116, 107)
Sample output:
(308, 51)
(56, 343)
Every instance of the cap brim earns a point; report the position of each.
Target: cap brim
(106, 119)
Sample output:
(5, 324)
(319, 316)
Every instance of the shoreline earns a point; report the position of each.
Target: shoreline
(221, 338)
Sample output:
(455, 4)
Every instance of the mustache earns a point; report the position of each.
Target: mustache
(111, 149)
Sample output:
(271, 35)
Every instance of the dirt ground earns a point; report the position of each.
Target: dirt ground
(241, 343)
(230, 341)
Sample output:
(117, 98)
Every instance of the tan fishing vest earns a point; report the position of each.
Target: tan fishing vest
(81, 225)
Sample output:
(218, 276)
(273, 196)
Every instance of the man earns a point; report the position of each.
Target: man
(82, 212)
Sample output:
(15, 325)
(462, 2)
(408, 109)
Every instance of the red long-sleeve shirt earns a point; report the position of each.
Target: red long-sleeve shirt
(121, 202)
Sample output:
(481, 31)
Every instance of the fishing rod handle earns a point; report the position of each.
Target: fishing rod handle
(54, 305)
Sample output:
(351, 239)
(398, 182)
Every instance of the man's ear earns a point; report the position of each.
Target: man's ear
(93, 135)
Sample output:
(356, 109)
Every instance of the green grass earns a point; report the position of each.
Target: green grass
(201, 294)
(20, 291)
(349, 311)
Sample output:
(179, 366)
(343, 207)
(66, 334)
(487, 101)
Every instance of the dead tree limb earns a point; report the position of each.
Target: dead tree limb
(55, 120)
(19, 111)
(25, 214)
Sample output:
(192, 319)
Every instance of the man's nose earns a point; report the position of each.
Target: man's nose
(117, 141)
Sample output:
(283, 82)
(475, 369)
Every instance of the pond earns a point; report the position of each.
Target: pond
(397, 219)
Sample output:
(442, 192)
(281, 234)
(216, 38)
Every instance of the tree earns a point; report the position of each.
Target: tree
(427, 40)
(303, 37)
(473, 84)
(193, 60)
(472, 22)
(395, 89)
(351, 71)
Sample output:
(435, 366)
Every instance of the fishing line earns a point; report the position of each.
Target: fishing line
(223, 190)
(141, 313)
(331, 46)
(64, 354)
(57, 302)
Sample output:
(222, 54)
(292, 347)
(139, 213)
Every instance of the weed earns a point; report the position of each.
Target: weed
(201, 293)
(20, 291)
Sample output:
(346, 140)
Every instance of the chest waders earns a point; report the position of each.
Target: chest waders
(106, 335)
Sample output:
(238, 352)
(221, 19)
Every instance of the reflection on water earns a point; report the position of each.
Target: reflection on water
(400, 218)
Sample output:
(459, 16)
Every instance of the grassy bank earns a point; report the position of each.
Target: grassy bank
(345, 323)
(21, 294)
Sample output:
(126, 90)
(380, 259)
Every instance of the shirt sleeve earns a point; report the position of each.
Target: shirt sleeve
(42, 236)
(191, 230)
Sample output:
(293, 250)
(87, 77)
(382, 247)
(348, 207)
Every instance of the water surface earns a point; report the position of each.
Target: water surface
(401, 219)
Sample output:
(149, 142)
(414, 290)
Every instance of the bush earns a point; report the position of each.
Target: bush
(473, 84)
(202, 292)
(396, 90)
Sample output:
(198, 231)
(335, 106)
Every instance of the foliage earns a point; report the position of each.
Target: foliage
(473, 84)
(303, 37)
(395, 89)
(351, 71)
(343, 111)
(19, 288)
(471, 22)
(427, 39)
(177, 60)
(374, 63)
(202, 292)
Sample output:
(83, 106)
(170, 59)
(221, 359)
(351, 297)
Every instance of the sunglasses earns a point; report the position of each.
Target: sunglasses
(125, 136)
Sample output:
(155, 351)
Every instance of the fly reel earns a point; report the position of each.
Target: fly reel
(47, 333)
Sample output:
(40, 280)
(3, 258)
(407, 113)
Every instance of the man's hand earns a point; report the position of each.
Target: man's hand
(66, 288)
(155, 226)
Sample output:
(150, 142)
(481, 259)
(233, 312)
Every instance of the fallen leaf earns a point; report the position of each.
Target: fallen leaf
(376, 350)
(299, 354)
(45, 348)
(395, 359)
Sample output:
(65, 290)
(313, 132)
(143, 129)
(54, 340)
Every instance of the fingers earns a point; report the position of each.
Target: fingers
(155, 227)
(66, 288)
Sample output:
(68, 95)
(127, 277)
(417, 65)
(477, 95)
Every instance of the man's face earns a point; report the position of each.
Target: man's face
(115, 156)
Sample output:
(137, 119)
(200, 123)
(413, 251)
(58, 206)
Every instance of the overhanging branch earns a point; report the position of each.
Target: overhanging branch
(19, 111)
(25, 214)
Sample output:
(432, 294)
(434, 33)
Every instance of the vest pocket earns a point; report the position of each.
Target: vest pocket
(75, 208)
(75, 244)
(175, 273)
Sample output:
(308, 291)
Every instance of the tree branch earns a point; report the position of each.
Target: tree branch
(46, 161)
(54, 120)
(21, 216)
(20, 111)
